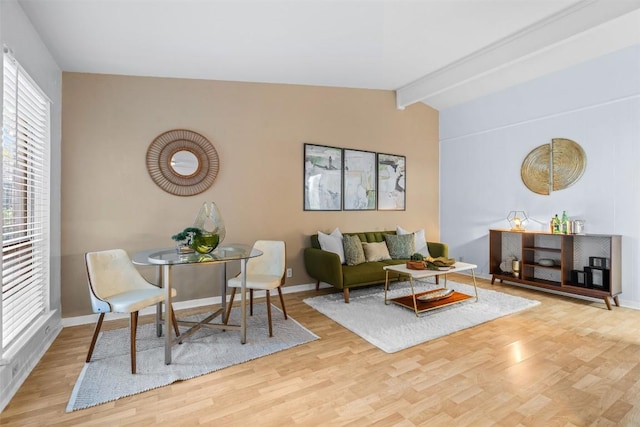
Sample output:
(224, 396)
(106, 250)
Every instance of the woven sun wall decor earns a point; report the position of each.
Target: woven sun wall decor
(554, 166)
(182, 162)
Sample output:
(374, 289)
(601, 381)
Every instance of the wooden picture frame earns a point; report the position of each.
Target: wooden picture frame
(322, 178)
(392, 193)
(359, 180)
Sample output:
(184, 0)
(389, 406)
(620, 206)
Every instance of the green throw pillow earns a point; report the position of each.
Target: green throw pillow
(353, 252)
(400, 246)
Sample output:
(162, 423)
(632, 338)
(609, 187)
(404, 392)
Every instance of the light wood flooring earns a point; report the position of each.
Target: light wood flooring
(566, 362)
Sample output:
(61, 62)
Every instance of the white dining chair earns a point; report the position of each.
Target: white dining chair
(265, 272)
(116, 286)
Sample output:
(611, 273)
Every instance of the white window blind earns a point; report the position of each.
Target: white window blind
(25, 202)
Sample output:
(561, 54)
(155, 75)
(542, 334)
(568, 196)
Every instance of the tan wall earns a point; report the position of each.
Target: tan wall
(109, 200)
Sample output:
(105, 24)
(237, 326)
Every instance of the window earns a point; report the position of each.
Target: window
(25, 202)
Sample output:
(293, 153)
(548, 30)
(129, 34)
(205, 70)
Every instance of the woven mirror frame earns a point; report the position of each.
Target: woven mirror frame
(182, 162)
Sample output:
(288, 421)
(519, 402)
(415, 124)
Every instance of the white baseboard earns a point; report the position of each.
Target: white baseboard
(182, 305)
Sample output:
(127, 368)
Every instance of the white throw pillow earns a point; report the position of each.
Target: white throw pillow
(332, 243)
(419, 240)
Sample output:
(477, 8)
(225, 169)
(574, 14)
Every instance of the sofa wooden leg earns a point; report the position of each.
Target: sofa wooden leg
(317, 285)
(345, 291)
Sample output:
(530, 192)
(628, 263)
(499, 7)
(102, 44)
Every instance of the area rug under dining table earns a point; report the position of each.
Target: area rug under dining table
(108, 376)
(393, 328)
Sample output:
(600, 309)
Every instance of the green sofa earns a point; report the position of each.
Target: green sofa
(325, 266)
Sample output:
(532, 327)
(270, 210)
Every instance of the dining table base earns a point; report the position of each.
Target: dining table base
(170, 340)
(167, 258)
(205, 323)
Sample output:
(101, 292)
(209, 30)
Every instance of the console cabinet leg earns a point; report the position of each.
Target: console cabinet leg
(606, 301)
(615, 300)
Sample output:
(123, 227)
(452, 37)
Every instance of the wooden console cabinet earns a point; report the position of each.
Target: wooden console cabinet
(596, 257)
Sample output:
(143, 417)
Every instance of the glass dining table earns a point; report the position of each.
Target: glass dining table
(167, 258)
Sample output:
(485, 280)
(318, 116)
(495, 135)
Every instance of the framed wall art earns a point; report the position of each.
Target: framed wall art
(391, 182)
(322, 178)
(359, 180)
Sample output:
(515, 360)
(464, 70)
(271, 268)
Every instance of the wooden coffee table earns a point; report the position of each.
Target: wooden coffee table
(413, 302)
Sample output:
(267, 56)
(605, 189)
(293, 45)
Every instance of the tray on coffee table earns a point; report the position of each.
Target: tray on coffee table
(427, 303)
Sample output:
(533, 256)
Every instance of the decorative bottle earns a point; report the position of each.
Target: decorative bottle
(556, 225)
(565, 223)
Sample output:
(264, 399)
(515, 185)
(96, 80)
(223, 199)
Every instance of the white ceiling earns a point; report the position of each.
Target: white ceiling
(441, 52)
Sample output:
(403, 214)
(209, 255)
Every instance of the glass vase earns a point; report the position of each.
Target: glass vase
(205, 242)
(209, 220)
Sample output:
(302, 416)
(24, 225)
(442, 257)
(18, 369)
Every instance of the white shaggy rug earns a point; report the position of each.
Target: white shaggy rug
(393, 328)
(108, 376)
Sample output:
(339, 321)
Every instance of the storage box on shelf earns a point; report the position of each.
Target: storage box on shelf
(587, 265)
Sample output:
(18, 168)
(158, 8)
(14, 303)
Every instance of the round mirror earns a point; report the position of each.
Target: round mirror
(184, 163)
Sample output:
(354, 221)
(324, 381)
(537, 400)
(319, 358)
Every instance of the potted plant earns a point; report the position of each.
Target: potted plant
(416, 262)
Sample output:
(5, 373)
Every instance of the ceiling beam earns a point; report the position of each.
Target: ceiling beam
(535, 38)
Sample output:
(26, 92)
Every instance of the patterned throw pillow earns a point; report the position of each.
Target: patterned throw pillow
(353, 253)
(375, 251)
(400, 246)
(418, 240)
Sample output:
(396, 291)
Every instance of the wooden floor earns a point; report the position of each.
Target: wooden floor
(566, 362)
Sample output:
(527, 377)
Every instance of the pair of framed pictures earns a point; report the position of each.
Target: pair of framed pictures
(352, 180)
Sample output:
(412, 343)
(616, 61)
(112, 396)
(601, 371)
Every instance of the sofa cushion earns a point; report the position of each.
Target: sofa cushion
(368, 236)
(419, 240)
(376, 251)
(400, 247)
(367, 273)
(353, 252)
(332, 243)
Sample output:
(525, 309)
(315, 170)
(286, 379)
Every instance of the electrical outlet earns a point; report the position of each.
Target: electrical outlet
(289, 272)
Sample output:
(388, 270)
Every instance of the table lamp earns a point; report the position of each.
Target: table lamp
(517, 219)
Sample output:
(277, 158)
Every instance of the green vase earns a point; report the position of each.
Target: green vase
(205, 242)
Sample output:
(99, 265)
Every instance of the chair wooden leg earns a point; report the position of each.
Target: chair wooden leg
(95, 337)
(269, 312)
(175, 322)
(134, 327)
(250, 302)
(159, 319)
(284, 310)
(233, 295)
